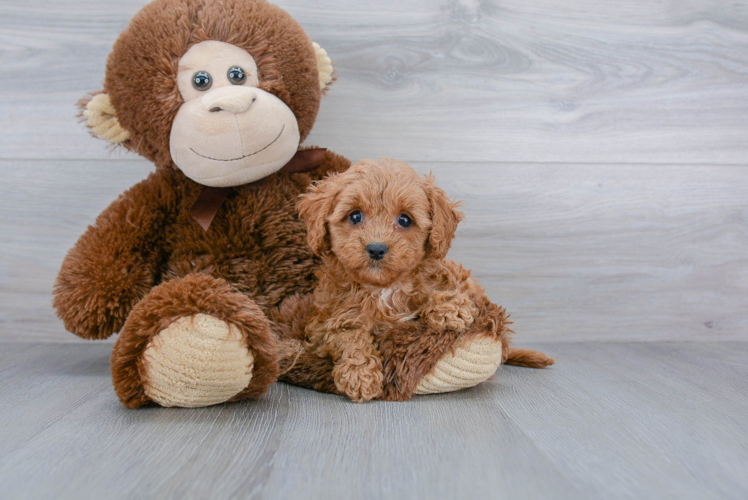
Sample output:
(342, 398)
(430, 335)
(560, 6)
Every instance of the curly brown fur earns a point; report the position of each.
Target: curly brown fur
(528, 358)
(299, 366)
(408, 352)
(359, 298)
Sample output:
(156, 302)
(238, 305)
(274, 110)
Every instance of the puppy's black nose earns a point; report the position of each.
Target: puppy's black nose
(376, 251)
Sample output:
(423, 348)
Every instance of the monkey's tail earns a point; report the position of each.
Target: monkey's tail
(528, 358)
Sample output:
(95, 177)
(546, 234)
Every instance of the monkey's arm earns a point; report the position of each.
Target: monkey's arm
(115, 262)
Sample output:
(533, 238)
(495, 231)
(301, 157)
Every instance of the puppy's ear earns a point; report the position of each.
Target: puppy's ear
(314, 207)
(444, 220)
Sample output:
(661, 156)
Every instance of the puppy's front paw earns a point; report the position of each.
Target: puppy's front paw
(456, 314)
(359, 381)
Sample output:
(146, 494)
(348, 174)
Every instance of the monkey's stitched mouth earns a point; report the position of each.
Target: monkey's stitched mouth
(245, 156)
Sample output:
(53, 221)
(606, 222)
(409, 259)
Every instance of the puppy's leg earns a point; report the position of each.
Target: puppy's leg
(452, 305)
(358, 365)
(449, 310)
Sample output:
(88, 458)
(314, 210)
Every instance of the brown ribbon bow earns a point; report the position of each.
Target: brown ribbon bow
(210, 200)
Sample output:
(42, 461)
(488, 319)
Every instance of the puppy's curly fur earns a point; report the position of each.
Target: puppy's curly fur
(362, 293)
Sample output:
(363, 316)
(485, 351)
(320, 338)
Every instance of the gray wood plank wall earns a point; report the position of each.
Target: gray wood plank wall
(601, 148)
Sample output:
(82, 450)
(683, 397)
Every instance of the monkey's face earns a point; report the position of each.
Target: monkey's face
(224, 91)
(228, 131)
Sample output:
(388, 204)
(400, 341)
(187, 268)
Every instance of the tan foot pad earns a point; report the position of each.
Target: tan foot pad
(196, 361)
(470, 365)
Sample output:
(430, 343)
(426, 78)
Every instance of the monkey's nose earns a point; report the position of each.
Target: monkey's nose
(234, 99)
(376, 251)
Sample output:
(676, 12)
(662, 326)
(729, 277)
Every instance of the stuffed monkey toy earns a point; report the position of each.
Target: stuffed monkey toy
(203, 267)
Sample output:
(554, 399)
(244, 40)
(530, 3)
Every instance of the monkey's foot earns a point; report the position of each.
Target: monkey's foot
(191, 342)
(196, 361)
(472, 363)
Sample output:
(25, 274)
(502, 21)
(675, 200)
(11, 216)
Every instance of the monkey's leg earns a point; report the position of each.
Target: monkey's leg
(194, 342)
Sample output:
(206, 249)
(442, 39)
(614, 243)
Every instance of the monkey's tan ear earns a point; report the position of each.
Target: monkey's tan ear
(101, 119)
(324, 66)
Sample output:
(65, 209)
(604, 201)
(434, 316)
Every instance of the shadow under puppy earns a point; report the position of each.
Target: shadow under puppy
(383, 233)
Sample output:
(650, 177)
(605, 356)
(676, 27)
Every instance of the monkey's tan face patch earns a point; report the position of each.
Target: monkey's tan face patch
(228, 132)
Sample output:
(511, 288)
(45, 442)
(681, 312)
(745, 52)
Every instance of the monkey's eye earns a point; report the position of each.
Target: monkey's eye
(356, 217)
(202, 80)
(404, 220)
(236, 75)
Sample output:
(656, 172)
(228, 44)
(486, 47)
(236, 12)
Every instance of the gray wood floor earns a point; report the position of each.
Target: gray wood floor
(601, 150)
(610, 420)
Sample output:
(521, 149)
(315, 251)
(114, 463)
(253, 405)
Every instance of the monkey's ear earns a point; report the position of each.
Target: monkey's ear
(101, 118)
(314, 207)
(324, 67)
(444, 220)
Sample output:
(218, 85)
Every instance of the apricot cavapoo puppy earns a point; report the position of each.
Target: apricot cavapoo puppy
(383, 233)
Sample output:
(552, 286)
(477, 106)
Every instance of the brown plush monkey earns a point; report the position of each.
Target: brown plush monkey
(203, 266)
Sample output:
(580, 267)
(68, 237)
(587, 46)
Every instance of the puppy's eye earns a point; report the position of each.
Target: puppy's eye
(404, 220)
(202, 80)
(356, 217)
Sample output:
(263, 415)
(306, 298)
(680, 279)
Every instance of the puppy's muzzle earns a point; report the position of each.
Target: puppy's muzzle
(376, 251)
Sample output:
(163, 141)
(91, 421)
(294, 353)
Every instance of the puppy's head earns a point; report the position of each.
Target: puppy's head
(381, 219)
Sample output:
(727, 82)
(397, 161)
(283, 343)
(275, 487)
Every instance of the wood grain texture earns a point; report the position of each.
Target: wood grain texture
(650, 81)
(600, 147)
(593, 252)
(610, 420)
(608, 252)
(45, 207)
